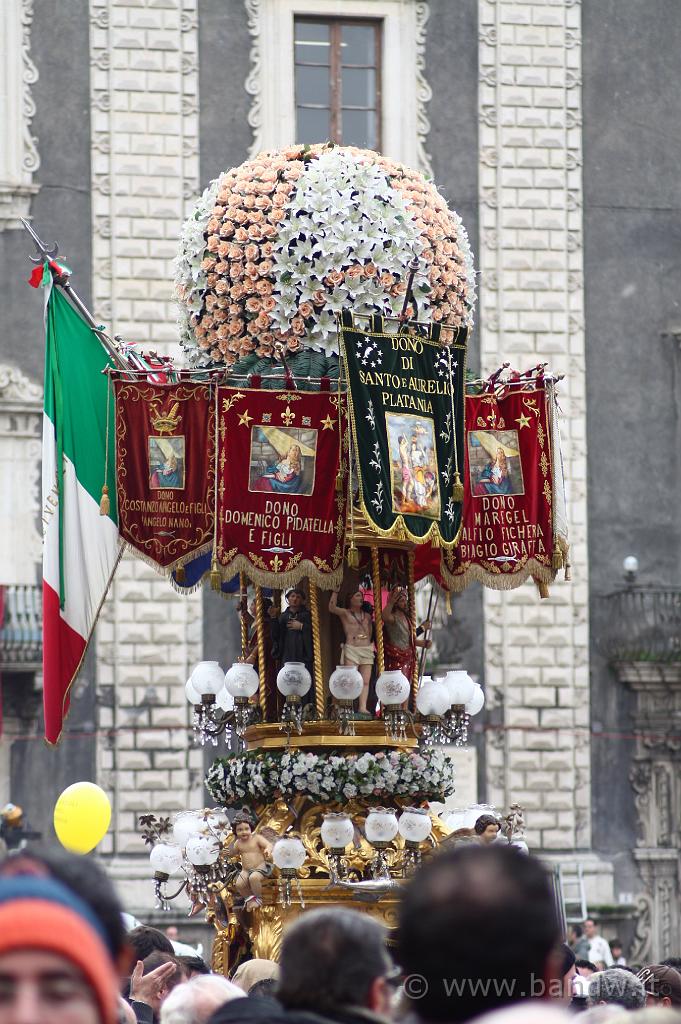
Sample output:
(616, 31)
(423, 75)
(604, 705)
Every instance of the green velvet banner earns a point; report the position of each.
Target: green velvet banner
(405, 397)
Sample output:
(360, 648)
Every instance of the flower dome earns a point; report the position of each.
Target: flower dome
(276, 247)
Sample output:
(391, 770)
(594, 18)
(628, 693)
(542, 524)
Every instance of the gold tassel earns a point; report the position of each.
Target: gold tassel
(448, 602)
(543, 588)
(215, 578)
(557, 560)
(104, 503)
(353, 556)
(180, 574)
(435, 540)
(457, 489)
(339, 482)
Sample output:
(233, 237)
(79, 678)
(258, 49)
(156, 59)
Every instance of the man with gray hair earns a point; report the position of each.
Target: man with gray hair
(193, 1002)
(616, 987)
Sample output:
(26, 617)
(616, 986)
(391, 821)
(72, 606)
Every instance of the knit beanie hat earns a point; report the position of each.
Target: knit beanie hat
(42, 914)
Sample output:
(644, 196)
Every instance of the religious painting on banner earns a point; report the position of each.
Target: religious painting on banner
(282, 486)
(508, 528)
(405, 395)
(165, 478)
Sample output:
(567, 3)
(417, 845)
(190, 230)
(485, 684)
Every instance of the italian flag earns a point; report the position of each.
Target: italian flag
(80, 546)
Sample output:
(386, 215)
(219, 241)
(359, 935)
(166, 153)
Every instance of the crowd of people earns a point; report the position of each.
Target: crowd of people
(477, 938)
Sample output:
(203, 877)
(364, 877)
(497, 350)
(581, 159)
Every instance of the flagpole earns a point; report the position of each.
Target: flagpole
(61, 279)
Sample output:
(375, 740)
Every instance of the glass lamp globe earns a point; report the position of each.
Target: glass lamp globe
(186, 825)
(224, 700)
(477, 701)
(380, 825)
(288, 853)
(241, 680)
(414, 824)
(202, 850)
(165, 858)
(392, 687)
(432, 698)
(460, 686)
(193, 695)
(337, 831)
(520, 845)
(345, 683)
(207, 679)
(293, 679)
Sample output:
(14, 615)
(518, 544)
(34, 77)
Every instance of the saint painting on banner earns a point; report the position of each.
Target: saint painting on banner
(282, 459)
(279, 520)
(413, 460)
(166, 462)
(494, 462)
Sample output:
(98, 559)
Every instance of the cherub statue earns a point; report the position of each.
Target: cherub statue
(255, 853)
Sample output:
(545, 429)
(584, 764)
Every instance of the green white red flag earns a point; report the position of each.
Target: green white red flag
(80, 546)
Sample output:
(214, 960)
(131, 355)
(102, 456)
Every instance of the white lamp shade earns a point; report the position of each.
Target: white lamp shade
(293, 679)
(460, 686)
(392, 687)
(224, 700)
(380, 825)
(477, 701)
(414, 824)
(207, 678)
(288, 853)
(186, 825)
(337, 831)
(241, 680)
(432, 698)
(193, 695)
(165, 857)
(202, 850)
(346, 683)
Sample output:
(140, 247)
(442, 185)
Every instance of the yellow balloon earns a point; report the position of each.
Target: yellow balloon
(81, 817)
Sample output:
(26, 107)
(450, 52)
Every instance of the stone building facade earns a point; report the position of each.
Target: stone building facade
(547, 133)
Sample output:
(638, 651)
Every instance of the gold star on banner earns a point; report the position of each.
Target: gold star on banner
(327, 424)
(288, 417)
(244, 419)
(523, 420)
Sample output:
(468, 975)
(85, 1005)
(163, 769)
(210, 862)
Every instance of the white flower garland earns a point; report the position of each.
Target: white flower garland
(427, 775)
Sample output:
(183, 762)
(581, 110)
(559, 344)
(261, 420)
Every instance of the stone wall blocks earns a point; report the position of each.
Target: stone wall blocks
(131, 760)
(557, 840)
(169, 759)
(539, 697)
(543, 780)
(153, 739)
(171, 716)
(557, 718)
(169, 802)
(558, 760)
(525, 717)
(542, 739)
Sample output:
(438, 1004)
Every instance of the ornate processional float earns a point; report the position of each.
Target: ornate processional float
(322, 458)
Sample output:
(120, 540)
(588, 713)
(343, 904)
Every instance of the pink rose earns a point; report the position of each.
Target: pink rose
(319, 297)
(249, 202)
(370, 270)
(213, 243)
(264, 287)
(276, 216)
(298, 325)
(268, 303)
(305, 309)
(265, 267)
(253, 304)
(263, 321)
(241, 235)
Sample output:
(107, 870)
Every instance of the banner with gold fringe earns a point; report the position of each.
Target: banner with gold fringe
(406, 408)
(281, 487)
(165, 478)
(510, 497)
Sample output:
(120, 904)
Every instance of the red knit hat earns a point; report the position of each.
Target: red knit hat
(42, 914)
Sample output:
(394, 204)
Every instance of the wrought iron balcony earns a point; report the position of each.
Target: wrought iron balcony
(641, 624)
(21, 646)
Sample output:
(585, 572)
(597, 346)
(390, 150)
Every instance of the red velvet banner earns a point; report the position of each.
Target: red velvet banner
(281, 511)
(507, 531)
(165, 476)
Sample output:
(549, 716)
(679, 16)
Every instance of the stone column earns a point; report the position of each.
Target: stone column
(531, 311)
(144, 180)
